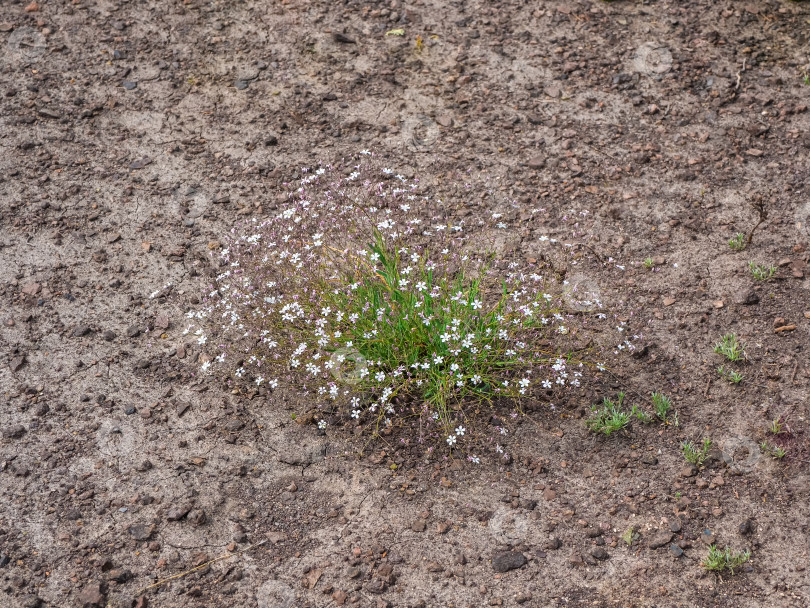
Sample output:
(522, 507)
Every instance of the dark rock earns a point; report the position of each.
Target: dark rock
(31, 601)
(119, 576)
(17, 363)
(178, 512)
(133, 331)
(329, 97)
(4, 560)
(108, 335)
(528, 504)
(675, 525)
(599, 553)
(129, 85)
(353, 572)
(234, 425)
(552, 544)
(375, 586)
(240, 85)
(141, 532)
(649, 459)
(576, 559)
(80, 331)
(508, 560)
(140, 163)
(675, 550)
(14, 431)
(747, 527)
(338, 37)
(660, 538)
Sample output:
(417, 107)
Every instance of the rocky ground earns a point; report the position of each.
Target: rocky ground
(136, 134)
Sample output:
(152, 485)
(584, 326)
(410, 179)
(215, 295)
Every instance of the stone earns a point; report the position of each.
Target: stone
(419, 525)
(340, 597)
(178, 512)
(552, 544)
(375, 586)
(675, 525)
(133, 331)
(141, 532)
(660, 538)
(80, 331)
(31, 289)
(689, 471)
(747, 297)
(508, 560)
(707, 537)
(16, 364)
(15, 431)
(747, 527)
(549, 494)
(599, 553)
(675, 550)
(536, 162)
(92, 596)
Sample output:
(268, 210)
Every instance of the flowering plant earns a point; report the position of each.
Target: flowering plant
(350, 294)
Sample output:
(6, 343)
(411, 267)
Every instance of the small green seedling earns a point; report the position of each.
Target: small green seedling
(726, 559)
(609, 417)
(662, 405)
(806, 79)
(761, 273)
(737, 242)
(628, 536)
(693, 454)
(730, 375)
(777, 426)
(641, 415)
(774, 451)
(730, 347)
(648, 263)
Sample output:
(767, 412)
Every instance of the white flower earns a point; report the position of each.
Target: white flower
(451, 440)
(476, 379)
(476, 304)
(460, 431)
(204, 367)
(355, 414)
(322, 424)
(524, 383)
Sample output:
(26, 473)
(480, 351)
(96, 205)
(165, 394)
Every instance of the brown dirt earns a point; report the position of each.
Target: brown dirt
(134, 135)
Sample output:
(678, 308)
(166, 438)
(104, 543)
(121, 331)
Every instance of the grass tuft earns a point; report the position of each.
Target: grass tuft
(726, 559)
